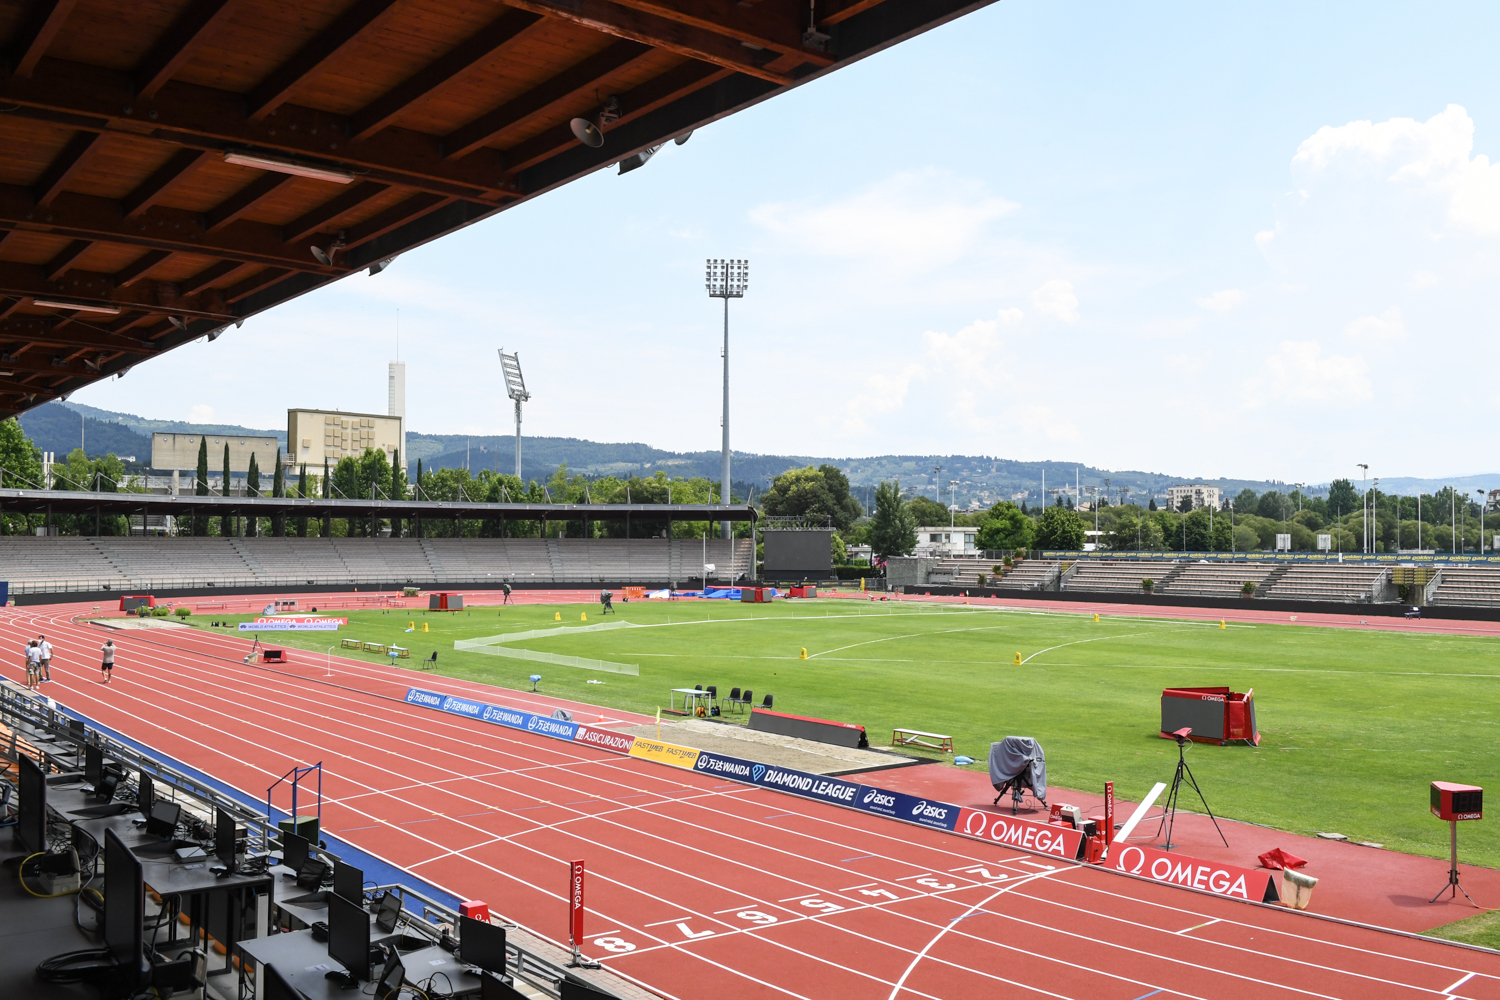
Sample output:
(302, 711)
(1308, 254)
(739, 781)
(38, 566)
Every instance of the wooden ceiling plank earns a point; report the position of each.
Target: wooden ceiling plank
(160, 184)
(177, 43)
(671, 85)
(59, 264)
(47, 17)
(8, 306)
(131, 273)
(31, 281)
(27, 389)
(763, 26)
(397, 215)
(837, 11)
(315, 220)
(657, 32)
(27, 334)
(209, 275)
(64, 167)
(580, 76)
(208, 119)
(36, 365)
(87, 217)
(406, 96)
(255, 283)
(284, 80)
(244, 200)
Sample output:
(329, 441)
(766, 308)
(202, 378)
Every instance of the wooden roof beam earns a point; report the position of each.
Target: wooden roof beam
(471, 52)
(209, 275)
(766, 26)
(31, 363)
(160, 184)
(657, 32)
(62, 261)
(94, 288)
(243, 200)
(64, 167)
(31, 334)
(177, 43)
(133, 272)
(28, 389)
(212, 120)
(46, 20)
(277, 88)
(8, 306)
(580, 77)
(345, 201)
(88, 217)
(397, 215)
(837, 11)
(257, 282)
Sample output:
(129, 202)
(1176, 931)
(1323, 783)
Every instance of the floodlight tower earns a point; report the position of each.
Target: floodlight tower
(726, 279)
(515, 388)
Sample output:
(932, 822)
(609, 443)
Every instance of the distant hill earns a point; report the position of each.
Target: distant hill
(982, 479)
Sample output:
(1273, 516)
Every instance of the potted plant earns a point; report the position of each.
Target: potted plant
(1148, 585)
(1247, 589)
(980, 578)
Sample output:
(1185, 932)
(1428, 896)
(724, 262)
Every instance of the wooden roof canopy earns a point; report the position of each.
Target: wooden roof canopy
(169, 167)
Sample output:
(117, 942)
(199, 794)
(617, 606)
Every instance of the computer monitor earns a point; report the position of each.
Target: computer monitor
(106, 786)
(387, 911)
(293, 851)
(31, 807)
(93, 765)
(392, 978)
(162, 821)
(349, 882)
(124, 911)
(481, 944)
(275, 987)
(349, 936)
(145, 795)
(492, 987)
(226, 835)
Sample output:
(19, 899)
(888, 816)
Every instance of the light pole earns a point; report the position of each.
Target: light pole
(1481, 520)
(1364, 524)
(1374, 522)
(952, 503)
(726, 279)
(515, 388)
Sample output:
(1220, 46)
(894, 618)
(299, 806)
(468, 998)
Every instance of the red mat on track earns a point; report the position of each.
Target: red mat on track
(702, 887)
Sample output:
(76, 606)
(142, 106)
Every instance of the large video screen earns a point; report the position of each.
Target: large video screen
(802, 552)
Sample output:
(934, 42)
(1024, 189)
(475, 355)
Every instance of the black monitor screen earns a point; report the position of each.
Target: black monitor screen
(349, 936)
(93, 765)
(162, 821)
(145, 796)
(31, 823)
(392, 978)
(388, 911)
(224, 836)
(124, 909)
(492, 987)
(276, 987)
(107, 785)
(349, 882)
(293, 851)
(481, 944)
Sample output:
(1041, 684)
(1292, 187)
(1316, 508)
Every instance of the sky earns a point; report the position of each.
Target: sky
(1256, 241)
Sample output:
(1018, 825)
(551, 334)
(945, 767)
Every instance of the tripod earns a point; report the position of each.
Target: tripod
(1454, 886)
(1169, 816)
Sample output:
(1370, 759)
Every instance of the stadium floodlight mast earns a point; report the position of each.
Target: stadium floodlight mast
(726, 279)
(515, 388)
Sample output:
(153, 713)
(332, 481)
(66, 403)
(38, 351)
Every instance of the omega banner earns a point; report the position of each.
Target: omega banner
(1210, 876)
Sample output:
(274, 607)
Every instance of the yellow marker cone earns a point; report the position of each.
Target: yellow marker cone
(557, 616)
(1017, 660)
(583, 616)
(411, 625)
(804, 653)
(1096, 618)
(425, 628)
(1221, 623)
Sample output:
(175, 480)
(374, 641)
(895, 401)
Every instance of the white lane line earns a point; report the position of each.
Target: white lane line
(805, 895)
(670, 920)
(1195, 927)
(1465, 979)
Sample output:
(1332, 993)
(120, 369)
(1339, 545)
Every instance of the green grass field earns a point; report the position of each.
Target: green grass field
(1355, 724)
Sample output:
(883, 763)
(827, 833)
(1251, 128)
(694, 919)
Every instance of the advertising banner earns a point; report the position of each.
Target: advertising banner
(604, 739)
(290, 623)
(1062, 841)
(575, 905)
(899, 805)
(1210, 876)
(664, 753)
(784, 779)
(511, 718)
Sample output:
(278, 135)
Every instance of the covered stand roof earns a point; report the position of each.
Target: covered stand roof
(170, 167)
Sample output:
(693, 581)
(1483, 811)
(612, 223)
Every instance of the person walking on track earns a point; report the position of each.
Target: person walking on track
(608, 600)
(107, 666)
(46, 655)
(33, 665)
(505, 589)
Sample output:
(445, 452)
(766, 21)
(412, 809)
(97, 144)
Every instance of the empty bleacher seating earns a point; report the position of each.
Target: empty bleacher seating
(1346, 583)
(1468, 586)
(1214, 579)
(1113, 577)
(1032, 574)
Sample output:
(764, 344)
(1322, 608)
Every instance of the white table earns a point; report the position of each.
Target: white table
(691, 697)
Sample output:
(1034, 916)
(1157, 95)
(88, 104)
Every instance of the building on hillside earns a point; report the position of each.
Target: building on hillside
(943, 542)
(315, 435)
(1198, 495)
(179, 452)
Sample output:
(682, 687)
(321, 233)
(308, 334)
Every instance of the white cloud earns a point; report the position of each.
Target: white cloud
(202, 413)
(880, 392)
(1434, 155)
(1223, 300)
(1422, 280)
(1055, 298)
(921, 219)
(967, 353)
(1382, 329)
(1299, 372)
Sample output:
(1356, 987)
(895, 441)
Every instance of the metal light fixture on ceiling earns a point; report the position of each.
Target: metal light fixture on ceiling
(88, 307)
(381, 265)
(683, 138)
(637, 160)
(214, 335)
(325, 257)
(178, 322)
(586, 132)
(281, 166)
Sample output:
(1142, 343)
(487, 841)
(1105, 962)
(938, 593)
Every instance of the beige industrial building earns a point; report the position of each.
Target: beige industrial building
(315, 435)
(179, 452)
(1197, 495)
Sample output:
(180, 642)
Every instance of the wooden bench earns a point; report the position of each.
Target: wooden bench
(351, 644)
(920, 738)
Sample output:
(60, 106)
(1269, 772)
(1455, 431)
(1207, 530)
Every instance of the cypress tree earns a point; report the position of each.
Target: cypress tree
(398, 489)
(252, 489)
(226, 523)
(327, 493)
(200, 523)
(302, 494)
(278, 489)
(417, 521)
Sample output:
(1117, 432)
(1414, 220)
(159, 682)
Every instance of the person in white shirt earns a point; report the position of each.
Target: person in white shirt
(33, 665)
(107, 667)
(46, 654)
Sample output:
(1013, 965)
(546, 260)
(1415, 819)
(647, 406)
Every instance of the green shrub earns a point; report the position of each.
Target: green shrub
(1247, 588)
(183, 612)
(980, 578)
(1148, 585)
(1008, 563)
(160, 612)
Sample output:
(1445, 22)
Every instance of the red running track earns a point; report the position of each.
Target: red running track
(703, 887)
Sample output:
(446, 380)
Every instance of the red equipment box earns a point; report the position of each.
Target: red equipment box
(1457, 802)
(808, 591)
(756, 595)
(136, 601)
(1214, 714)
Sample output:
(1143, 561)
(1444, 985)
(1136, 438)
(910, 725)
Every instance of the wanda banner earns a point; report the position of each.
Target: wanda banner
(1194, 873)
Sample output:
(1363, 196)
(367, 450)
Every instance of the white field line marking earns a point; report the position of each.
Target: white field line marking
(555, 895)
(1465, 979)
(1196, 927)
(1140, 811)
(913, 635)
(669, 920)
(1075, 642)
(1036, 864)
